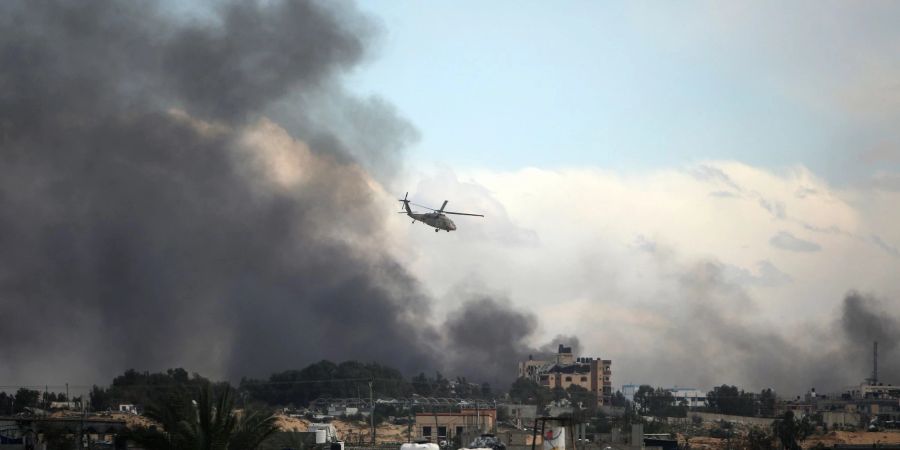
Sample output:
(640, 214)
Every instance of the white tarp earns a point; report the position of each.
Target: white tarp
(555, 439)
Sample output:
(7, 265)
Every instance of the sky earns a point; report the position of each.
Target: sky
(703, 193)
(617, 147)
(641, 85)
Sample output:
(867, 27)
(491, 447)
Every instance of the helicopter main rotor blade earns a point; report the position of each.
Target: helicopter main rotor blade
(463, 214)
(422, 206)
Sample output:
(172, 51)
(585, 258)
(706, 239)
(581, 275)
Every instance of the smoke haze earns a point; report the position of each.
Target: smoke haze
(202, 192)
(151, 216)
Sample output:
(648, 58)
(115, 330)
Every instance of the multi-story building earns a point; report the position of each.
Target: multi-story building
(565, 370)
(455, 426)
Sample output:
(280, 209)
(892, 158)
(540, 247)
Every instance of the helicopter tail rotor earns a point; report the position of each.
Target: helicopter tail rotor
(405, 202)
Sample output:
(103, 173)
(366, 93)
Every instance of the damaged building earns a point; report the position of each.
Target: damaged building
(565, 370)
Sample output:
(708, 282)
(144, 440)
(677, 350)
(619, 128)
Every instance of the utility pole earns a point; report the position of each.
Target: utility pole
(372, 411)
(875, 365)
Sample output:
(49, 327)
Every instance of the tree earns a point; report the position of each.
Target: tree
(642, 398)
(619, 399)
(26, 398)
(205, 422)
(326, 379)
(658, 402)
(581, 396)
(790, 431)
(145, 388)
(6, 403)
(526, 391)
(726, 399)
(759, 439)
(767, 403)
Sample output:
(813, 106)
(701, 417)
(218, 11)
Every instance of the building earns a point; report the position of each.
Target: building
(459, 426)
(520, 415)
(343, 411)
(878, 391)
(533, 368)
(693, 398)
(565, 370)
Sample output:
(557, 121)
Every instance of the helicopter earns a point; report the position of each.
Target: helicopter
(437, 219)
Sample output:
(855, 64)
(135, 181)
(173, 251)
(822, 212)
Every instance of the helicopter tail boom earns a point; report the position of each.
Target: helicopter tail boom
(406, 203)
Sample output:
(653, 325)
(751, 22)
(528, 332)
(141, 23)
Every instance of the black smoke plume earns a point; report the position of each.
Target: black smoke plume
(151, 215)
(137, 225)
(487, 337)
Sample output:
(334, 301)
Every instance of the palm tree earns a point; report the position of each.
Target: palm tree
(208, 422)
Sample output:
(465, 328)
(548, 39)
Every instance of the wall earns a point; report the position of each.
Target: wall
(712, 417)
(840, 418)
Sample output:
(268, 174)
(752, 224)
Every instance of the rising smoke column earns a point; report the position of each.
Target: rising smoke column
(150, 216)
(486, 337)
(709, 338)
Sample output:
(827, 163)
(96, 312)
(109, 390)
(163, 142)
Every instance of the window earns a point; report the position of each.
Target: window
(459, 431)
(426, 432)
(568, 378)
(583, 379)
(442, 432)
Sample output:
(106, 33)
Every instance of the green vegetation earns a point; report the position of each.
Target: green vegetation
(726, 399)
(326, 379)
(29, 398)
(206, 421)
(658, 402)
(790, 431)
(144, 388)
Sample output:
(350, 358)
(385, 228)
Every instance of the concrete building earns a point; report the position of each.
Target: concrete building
(532, 368)
(565, 370)
(459, 426)
(520, 415)
(693, 398)
(878, 391)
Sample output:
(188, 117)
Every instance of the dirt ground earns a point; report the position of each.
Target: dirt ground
(703, 443)
(350, 431)
(131, 420)
(828, 439)
(853, 437)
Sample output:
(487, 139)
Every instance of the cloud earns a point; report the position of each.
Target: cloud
(890, 249)
(654, 258)
(767, 275)
(787, 241)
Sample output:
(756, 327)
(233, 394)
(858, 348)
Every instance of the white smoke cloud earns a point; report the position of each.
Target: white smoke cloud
(610, 254)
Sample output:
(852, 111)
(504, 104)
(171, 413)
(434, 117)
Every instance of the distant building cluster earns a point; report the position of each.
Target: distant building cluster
(565, 370)
(874, 405)
(690, 397)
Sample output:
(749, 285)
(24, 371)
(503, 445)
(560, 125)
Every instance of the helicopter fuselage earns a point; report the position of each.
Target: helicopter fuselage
(436, 220)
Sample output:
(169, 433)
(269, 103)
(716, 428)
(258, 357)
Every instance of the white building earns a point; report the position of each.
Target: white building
(628, 390)
(694, 398)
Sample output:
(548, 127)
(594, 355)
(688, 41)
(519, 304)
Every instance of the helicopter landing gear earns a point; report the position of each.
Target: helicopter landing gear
(436, 230)
(413, 221)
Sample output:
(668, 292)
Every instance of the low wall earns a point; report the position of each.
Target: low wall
(713, 417)
(840, 418)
